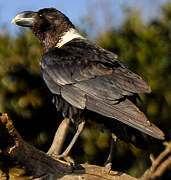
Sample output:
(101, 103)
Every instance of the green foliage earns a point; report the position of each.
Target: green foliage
(23, 94)
(22, 90)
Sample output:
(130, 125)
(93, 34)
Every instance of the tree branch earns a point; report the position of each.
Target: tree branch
(18, 158)
(159, 165)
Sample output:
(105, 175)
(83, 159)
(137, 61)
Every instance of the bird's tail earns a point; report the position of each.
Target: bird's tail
(126, 112)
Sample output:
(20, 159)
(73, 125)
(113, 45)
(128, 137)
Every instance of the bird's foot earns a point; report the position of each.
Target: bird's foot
(108, 166)
(65, 159)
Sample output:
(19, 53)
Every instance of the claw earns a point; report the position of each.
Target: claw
(64, 159)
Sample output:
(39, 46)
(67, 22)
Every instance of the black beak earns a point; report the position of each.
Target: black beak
(25, 19)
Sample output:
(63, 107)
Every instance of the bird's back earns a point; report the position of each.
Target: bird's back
(88, 77)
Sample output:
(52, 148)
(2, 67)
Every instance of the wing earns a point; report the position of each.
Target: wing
(87, 76)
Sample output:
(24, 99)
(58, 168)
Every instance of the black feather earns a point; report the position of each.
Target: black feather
(91, 78)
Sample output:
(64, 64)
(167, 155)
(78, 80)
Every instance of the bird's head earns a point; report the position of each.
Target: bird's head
(47, 24)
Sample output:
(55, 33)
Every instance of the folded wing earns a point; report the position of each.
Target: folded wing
(90, 81)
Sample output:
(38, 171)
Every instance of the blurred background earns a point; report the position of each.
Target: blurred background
(138, 31)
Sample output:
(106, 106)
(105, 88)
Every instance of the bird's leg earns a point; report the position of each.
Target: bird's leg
(59, 138)
(108, 163)
(77, 134)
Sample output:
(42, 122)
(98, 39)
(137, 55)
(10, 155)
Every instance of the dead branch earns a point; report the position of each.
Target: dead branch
(159, 165)
(19, 159)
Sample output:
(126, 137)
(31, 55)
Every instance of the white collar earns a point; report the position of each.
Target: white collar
(68, 36)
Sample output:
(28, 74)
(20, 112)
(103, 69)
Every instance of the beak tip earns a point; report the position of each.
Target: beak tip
(13, 21)
(25, 19)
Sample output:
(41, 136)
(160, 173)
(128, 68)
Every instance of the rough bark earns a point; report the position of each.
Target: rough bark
(20, 160)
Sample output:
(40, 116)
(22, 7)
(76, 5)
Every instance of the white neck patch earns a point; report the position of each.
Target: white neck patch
(68, 36)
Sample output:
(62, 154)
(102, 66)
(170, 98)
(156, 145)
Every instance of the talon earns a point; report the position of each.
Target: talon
(66, 159)
(62, 161)
(70, 160)
(108, 165)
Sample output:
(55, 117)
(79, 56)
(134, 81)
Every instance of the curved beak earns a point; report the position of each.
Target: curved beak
(25, 19)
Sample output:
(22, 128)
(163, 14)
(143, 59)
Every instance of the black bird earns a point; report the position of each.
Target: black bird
(87, 79)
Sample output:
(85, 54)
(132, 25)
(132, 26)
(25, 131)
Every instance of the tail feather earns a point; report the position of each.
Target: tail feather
(126, 112)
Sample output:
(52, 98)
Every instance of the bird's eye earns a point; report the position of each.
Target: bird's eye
(40, 15)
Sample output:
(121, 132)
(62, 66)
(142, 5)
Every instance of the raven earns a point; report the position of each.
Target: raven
(86, 79)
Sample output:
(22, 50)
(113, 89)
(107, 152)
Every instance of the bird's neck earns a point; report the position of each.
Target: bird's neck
(53, 38)
(71, 34)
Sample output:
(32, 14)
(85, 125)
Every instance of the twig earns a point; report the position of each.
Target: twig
(162, 168)
(159, 166)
